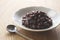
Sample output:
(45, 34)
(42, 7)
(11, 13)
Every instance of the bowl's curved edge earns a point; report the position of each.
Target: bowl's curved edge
(32, 29)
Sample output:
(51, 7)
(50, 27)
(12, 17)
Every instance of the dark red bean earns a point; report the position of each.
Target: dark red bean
(37, 20)
(24, 17)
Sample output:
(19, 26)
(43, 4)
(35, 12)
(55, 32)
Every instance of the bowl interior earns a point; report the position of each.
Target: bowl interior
(52, 14)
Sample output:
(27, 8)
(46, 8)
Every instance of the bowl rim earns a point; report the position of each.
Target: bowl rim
(28, 29)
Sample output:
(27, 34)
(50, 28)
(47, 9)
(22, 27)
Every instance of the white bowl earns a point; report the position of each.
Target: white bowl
(51, 13)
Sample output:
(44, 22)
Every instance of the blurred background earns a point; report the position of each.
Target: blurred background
(9, 7)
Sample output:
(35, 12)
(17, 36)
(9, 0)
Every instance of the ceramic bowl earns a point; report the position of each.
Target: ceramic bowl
(51, 13)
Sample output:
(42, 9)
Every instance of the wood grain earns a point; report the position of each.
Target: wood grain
(9, 7)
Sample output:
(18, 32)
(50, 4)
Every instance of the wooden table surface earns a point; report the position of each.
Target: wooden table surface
(9, 7)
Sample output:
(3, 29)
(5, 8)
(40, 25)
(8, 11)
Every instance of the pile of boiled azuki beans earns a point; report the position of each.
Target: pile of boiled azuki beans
(36, 20)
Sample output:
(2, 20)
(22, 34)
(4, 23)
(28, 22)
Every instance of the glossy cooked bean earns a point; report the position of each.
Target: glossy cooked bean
(37, 20)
